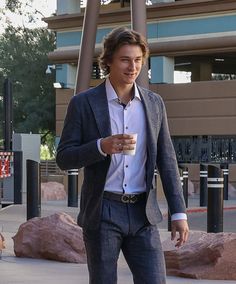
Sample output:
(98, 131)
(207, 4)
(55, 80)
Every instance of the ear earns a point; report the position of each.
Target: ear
(109, 61)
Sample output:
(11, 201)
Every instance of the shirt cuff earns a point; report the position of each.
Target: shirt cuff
(99, 147)
(178, 216)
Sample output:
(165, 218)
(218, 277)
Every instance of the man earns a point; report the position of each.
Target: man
(118, 205)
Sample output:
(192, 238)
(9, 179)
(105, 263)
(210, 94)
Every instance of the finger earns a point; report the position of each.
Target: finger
(181, 235)
(182, 238)
(128, 147)
(186, 234)
(179, 243)
(129, 141)
(128, 136)
(125, 143)
(123, 136)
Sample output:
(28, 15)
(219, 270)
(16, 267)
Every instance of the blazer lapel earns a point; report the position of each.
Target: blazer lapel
(151, 111)
(99, 106)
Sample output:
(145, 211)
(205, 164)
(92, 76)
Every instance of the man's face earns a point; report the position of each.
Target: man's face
(126, 64)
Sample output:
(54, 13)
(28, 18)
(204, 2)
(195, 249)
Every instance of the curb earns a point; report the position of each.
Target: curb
(200, 210)
(204, 209)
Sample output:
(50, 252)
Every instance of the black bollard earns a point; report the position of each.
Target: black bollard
(215, 200)
(73, 187)
(183, 172)
(18, 177)
(7, 109)
(203, 185)
(225, 170)
(33, 189)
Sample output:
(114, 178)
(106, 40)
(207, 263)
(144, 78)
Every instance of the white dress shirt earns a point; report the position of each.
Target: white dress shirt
(127, 173)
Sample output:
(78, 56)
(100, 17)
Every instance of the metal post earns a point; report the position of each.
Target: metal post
(225, 170)
(185, 185)
(203, 185)
(139, 24)
(169, 222)
(1, 190)
(88, 39)
(181, 175)
(215, 200)
(7, 102)
(183, 172)
(18, 171)
(33, 189)
(73, 188)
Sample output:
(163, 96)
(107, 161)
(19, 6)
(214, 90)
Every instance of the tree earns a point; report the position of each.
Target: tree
(14, 5)
(23, 59)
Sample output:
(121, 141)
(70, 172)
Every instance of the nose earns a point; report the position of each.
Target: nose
(132, 65)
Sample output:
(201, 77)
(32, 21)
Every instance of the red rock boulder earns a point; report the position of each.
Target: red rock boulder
(56, 237)
(204, 256)
(52, 191)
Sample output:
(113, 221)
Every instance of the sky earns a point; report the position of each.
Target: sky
(46, 7)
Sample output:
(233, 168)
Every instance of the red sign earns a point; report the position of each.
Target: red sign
(5, 164)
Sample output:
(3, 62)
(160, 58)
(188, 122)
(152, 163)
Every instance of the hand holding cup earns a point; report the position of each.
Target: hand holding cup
(131, 151)
(119, 144)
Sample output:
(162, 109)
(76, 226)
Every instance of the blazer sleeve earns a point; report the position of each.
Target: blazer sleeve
(78, 144)
(168, 167)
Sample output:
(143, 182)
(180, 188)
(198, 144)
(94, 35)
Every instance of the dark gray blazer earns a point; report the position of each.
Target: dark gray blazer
(86, 121)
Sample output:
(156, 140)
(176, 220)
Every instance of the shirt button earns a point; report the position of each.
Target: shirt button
(126, 127)
(125, 185)
(126, 166)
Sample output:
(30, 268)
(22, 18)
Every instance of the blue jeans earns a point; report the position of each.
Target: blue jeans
(124, 227)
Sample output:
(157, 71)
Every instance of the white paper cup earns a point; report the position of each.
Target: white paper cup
(131, 152)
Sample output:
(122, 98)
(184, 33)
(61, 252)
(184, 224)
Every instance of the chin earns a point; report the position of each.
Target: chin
(131, 80)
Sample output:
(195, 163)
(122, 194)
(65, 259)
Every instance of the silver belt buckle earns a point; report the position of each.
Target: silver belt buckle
(125, 198)
(132, 198)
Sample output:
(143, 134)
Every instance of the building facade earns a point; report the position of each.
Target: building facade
(193, 38)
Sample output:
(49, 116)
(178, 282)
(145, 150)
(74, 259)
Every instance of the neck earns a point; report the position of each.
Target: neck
(124, 92)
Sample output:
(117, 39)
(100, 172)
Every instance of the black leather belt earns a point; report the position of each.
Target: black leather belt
(124, 198)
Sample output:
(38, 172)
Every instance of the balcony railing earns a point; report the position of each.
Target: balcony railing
(49, 167)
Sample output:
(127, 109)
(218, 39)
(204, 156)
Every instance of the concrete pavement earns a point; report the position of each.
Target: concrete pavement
(28, 271)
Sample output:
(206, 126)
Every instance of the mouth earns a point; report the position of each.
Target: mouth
(130, 74)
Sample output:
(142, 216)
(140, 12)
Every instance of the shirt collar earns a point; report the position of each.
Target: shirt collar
(111, 93)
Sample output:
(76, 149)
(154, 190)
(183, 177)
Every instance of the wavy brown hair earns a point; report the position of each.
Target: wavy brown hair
(117, 38)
